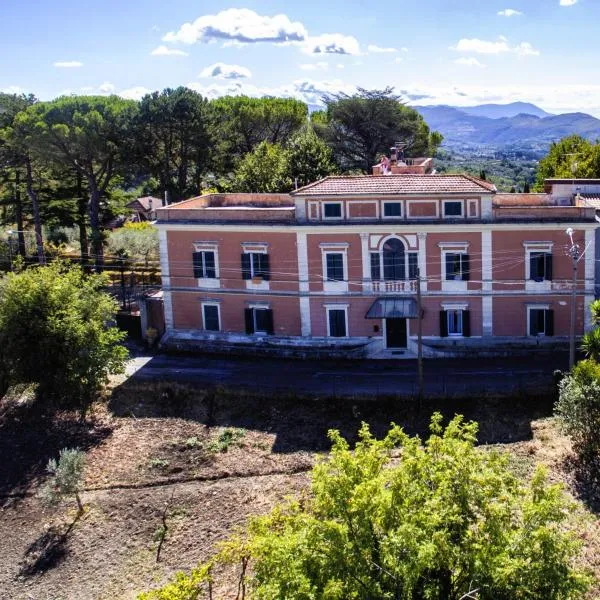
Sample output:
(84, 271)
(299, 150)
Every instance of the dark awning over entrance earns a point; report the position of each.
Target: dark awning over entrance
(394, 307)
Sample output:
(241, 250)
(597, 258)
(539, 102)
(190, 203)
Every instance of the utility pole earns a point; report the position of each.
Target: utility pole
(574, 253)
(419, 338)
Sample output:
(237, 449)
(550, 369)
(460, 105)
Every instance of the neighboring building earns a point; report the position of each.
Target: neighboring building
(144, 209)
(333, 266)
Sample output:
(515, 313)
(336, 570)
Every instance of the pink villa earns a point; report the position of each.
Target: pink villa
(331, 269)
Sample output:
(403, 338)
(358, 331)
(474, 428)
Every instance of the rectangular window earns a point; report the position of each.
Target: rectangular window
(259, 320)
(392, 209)
(375, 266)
(337, 322)
(332, 210)
(457, 267)
(204, 265)
(256, 264)
(211, 317)
(540, 266)
(413, 265)
(453, 209)
(541, 322)
(335, 266)
(455, 322)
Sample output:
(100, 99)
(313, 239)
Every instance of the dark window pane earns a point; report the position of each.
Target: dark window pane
(261, 316)
(209, 265)
(375, 266)
(537, 266)
(537, 321)
(211, 318)
(335, 267)
(332, 210)
(392, 209)
(453, 267)
(337, 323)
(394, 268)
(453, 209)
(413, 265)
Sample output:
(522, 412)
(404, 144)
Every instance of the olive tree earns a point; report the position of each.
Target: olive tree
(66, 477)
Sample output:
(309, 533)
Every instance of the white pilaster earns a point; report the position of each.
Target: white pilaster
(303, 285)
(422, 259)
(166, 279)
(366, 263)
(590, 261)
(486, 285)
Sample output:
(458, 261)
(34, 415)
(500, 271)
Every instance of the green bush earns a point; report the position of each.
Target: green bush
(398, 519)
(578, 407)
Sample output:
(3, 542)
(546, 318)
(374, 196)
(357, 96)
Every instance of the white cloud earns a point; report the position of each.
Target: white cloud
(68, 64)
(509, 12)
(164, 51)
(499, 46)
(107, 88)
(240, 25)
(318, 66)
(378, 49)
(404, 49)
(134, 93)
(12, 89)
(223, 71)
(567, 2)
(398, 60)
(332, 43)
(468, 62)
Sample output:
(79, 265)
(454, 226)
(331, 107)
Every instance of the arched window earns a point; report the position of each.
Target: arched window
(394, 265)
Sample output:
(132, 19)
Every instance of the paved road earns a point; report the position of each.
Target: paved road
(442, 377)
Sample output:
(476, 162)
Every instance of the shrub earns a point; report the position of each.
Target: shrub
(394, 518)
(66, 477)
(578, 407)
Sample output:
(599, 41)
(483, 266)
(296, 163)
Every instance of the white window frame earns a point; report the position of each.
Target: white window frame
(206, 282)
(531, 307)
(455, 307)
(211, 303)
(530, 285)
(452, 248)
(330, 307)
(340, 218)
(462, 209)
(256, 248)
(254, 306)
(384, 216)
(333, 287)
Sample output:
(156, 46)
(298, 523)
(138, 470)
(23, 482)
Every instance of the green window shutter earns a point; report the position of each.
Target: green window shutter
(269, 322)
(246, 266)
(265, 267)
(548, 266)
(443, 324)
(466, 323)
(249, 319)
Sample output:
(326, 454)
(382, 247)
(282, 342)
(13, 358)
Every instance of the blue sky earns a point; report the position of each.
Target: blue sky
(456, 52)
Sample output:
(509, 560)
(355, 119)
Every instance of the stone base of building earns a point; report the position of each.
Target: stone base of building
(357, 348)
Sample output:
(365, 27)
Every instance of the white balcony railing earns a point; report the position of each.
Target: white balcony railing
(408, 286)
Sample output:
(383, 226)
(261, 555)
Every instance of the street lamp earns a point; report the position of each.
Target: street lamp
(574, 253)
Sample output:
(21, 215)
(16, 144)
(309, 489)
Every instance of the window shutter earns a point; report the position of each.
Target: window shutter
(269, 321)
(533, 322)
(548, 258)
(466, 323)
(549, 316)
(466, 267)
(450, 267)
(249, 319)
(197, 260)
(209, 263)
(413, 265)
(375, 266)
(246, 266)
(533, 274)
(443, 324)
(265, 267)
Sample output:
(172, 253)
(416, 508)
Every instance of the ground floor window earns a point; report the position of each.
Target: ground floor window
(541, 321)
(259, 320)
(211, 317)
(336, 322)
(455, 322)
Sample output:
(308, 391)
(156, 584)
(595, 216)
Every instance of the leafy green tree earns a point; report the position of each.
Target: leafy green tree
(398, 519)
(265, 170)
(173, 131)
(241, 123)
(571, 157)
(56, 330)
(66, 477)
(362, 127)
(309, 158)
(91, 134)
(135, 240)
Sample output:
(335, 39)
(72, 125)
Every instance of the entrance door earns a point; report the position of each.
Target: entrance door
(395, 333)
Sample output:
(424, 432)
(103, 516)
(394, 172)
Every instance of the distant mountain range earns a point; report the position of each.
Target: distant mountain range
(499, 125)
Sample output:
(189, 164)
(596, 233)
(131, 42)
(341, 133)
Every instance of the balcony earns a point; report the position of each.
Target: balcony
(406, 286)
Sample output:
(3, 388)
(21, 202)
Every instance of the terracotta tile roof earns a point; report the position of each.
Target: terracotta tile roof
(342, 185)
(591, 200)
(144, 203)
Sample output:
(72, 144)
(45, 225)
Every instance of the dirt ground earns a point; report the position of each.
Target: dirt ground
(207, 459)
